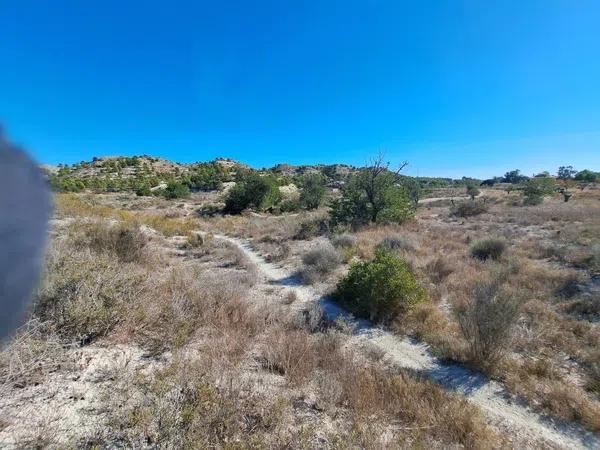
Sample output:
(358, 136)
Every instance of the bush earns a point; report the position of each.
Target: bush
(486, 322)
(533, 200)
(290, 205)
(488, 248)
(381, 289)
(253, 191)
(319, 262)
(396, 242)
(343, 241)
(127, 242)
(468, 208)
(176, 190)
(535, 190)
(143, 191)
(312, 228)
(472, 191)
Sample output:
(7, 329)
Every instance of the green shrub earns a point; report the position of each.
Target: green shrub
(472, 190)
(176, 190)
(468, 208)
(143, 191)
(535, 190)
(381, 289)
(533, 200)
(290, 205)
(253, 191)
(488, 249)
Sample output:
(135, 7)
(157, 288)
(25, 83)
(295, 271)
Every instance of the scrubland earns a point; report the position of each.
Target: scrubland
(148, 331)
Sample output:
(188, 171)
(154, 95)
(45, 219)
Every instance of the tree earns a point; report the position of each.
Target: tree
(252, 191)
(412, 186)
(587, 176)
(514, 177)
(373, 194)
(566, 172)
(536, 189)
(312, 191)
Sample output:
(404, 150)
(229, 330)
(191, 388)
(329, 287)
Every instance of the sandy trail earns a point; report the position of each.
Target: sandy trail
(487, 394)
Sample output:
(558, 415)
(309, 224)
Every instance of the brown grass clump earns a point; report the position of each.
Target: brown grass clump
(487, 322)
(125, 241)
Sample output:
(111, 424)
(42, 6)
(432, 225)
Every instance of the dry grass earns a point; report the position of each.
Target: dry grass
(209, 392)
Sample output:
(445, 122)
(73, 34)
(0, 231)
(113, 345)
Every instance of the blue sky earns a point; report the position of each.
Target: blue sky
(454, 87)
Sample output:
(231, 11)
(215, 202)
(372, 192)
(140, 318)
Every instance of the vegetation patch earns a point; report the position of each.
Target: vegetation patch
(488, 249)
(381, 289)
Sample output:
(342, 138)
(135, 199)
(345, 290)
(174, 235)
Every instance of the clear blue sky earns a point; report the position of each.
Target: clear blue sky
(454, 87)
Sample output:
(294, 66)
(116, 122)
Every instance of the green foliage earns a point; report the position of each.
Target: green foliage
(289, 205)
(143, 191)
(514, 177)
(312, 191)
(566, 172)
(397, 207)
(488, 249)
(373, 195)
(176, 190)
(207, 177)
(252, 191)
(412, 187)
(587, 176)
(536, 188)
(65, 184)
(472, 190)
(381, 289)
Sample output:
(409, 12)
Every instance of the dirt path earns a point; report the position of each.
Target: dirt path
(504, 412)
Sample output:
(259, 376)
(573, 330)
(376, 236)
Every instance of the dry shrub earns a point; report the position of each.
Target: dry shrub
(274, 250)
(555, 395)
(488, 249)
(372, 394)
(181, 406)
(296, 354)
(184, 302)
(438, 269)
(194, 240)
(84, 294)
(397, 242)
(344, 241)
(319, 262)
(311, 228)
(487, 321)
(126, 241)
(469, 208)
(32, 353)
